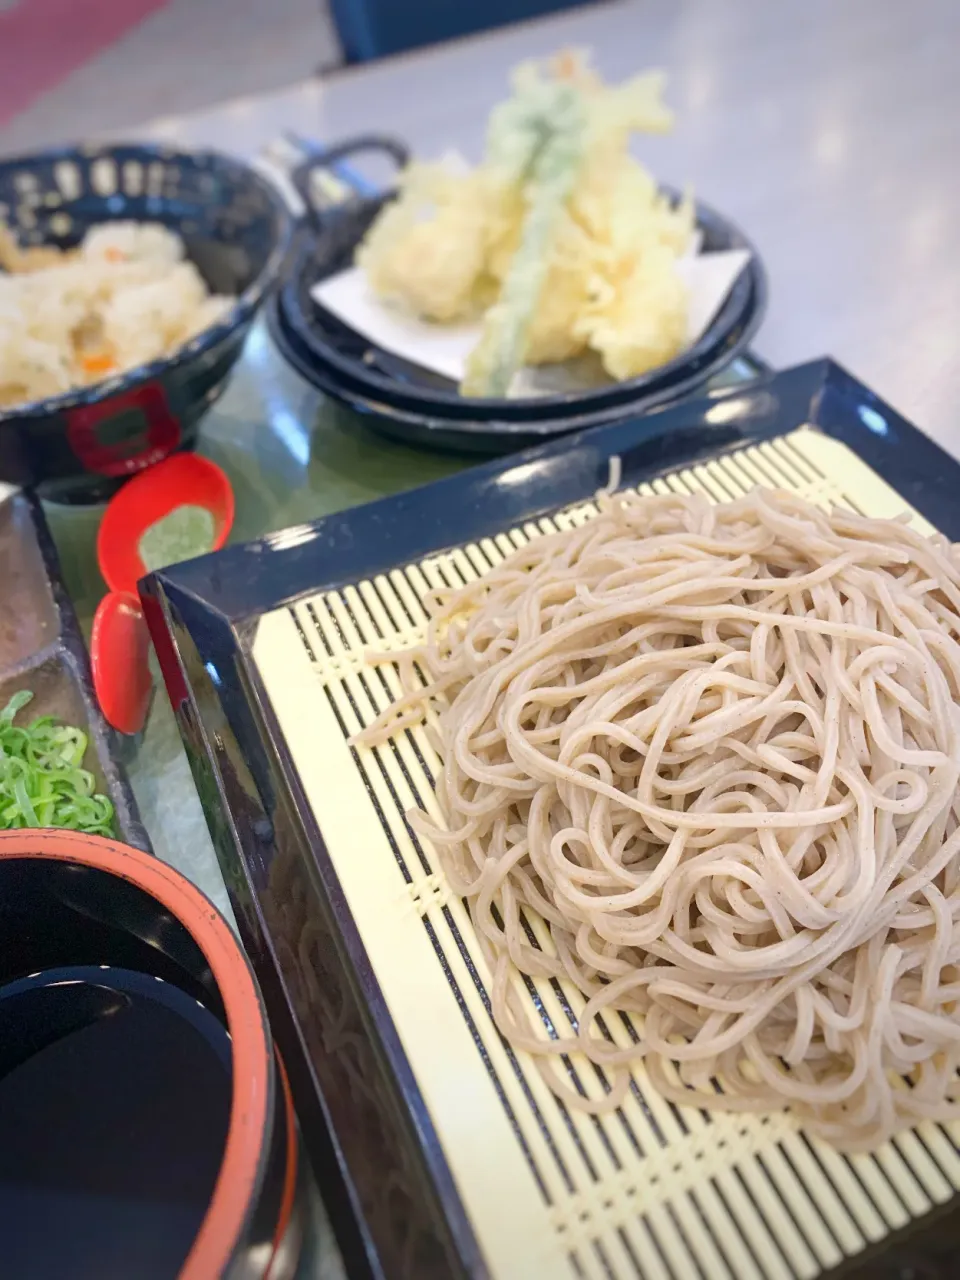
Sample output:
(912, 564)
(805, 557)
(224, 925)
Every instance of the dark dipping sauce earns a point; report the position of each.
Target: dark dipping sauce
(114, 1107)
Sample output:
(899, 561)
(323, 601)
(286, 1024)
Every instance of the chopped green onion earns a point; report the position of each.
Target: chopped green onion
(42, 781)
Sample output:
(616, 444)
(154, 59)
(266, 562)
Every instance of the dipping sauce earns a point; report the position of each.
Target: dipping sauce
(115, 1092)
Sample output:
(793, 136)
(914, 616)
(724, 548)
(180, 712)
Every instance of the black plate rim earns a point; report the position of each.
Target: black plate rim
(574, 407)
(484, 435)
(203, 615)
(751, 286)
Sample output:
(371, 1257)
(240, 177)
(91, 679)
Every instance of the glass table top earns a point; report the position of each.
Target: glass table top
(291, 456)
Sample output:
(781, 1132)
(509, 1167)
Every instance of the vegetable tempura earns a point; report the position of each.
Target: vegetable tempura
(560, 240)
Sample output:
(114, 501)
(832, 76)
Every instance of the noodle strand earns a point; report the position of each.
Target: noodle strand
(702, 763)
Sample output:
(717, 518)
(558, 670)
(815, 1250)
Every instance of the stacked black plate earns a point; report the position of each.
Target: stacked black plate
(418, 406)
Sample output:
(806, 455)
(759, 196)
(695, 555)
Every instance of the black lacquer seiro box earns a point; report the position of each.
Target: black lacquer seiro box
(440, 1150)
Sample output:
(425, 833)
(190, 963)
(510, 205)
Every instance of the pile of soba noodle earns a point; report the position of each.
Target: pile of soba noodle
(717, 750)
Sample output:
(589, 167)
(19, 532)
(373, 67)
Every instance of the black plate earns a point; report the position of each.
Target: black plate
(347, 358)
(364, 1120)
(434, 429)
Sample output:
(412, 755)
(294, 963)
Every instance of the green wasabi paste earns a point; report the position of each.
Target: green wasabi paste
(186, 532)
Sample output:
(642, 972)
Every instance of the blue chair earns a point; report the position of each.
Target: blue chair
(375, 28)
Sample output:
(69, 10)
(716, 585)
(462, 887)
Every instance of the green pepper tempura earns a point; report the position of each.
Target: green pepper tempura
(42, 783)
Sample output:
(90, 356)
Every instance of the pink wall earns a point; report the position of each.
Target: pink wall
(42, 41)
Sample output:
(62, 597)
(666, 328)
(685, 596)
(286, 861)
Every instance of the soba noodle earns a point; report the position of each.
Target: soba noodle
(716, 750)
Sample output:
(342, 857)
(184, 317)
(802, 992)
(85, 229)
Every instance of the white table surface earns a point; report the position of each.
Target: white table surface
(829, 129)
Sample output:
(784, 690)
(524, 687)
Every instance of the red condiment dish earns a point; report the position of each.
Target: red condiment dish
(120, 643)
(184, 479)
(120, 660)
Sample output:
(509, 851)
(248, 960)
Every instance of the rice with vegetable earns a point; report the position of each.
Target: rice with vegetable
(125, 296)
